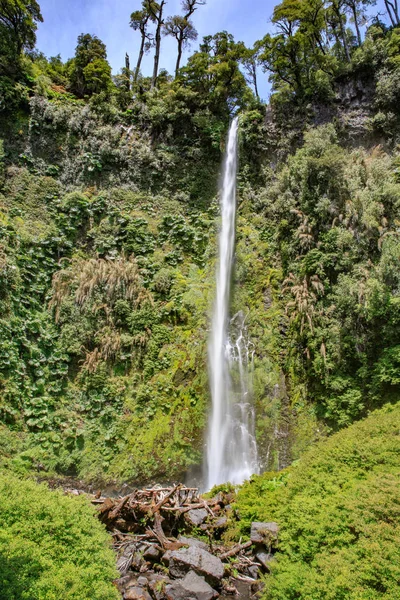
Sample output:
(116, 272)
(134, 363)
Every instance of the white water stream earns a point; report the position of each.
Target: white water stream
(231, 446)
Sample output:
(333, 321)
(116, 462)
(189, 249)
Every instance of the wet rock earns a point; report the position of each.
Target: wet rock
(264, 533)
(188, 541)
(264, 558)
(192, 587)
(200, 561)
(196, 516)
(136, 593)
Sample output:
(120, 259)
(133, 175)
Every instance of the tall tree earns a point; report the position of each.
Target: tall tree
(249, 61)
(392, 7)
(182, 29)
(90, 73)
(357, 9)
(156, 11)
(18, 25)
(140, 21)
(214, 74)
(337, 19)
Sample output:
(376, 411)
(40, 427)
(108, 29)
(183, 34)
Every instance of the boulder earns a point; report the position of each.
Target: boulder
(196, 517)
(157, 584)
(166, 557)
(221, 523)
(253, 571)
(264, 558)
(136, 593)
(123, 582)
(198, 560)
(192, 587)
(264, 533)
(189, 541)
(151, 552)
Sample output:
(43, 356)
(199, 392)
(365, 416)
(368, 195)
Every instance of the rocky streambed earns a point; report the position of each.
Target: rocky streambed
(169, 543)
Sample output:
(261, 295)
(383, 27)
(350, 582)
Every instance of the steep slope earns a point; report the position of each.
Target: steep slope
(338, 510)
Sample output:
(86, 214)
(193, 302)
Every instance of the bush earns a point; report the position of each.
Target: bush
(338, 509)
(51, 546)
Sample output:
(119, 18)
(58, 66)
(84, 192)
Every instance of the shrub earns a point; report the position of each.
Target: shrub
(338, 509)
(51, 546)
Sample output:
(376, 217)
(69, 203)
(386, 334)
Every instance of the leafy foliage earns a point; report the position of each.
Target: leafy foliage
(51, 545)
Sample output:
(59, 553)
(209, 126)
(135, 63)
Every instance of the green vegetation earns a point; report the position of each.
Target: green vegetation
(108, 220)
(51, 546)
(338, 509)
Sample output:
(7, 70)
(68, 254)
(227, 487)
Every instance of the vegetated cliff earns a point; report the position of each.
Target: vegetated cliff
(107, 255)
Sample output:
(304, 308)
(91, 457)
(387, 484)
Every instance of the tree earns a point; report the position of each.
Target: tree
(357, 10)
(337, 19)
(392, 7)
(182, 28)
(140, 21)
(214, 74)
(18, 25)
(156, 14)
(297, 55)
(90, 73)
(249, 62)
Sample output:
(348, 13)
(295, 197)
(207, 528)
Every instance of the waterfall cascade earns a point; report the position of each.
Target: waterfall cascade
(231, 446)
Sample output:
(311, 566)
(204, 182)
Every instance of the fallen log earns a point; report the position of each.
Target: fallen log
(235, 550)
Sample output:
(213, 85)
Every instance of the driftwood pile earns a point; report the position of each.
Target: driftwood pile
(160, 556)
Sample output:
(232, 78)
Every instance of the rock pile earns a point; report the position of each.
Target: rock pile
(160, 556)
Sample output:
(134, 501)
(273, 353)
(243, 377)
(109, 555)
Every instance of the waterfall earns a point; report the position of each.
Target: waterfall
(231, 446)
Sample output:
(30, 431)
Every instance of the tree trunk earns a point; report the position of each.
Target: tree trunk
(254, 73)
(343, 33)
(159, 19)
(390, 6)
(355, 17)
(395, 8)
(179, 57)
(128, 72)
(140, 57)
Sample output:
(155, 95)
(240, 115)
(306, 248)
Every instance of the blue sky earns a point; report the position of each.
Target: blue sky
(247, 20)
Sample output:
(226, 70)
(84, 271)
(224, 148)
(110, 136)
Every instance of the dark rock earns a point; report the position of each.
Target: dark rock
(188, 541)
(156, 585)
(138, 562)
(201, 562)
(136, 593)
(166, 557)
(264, 533)
(196, 516)
(192, 587)
(264, 559)
(123, 582)
(253, 571)
(142, 581)
(152, 553)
